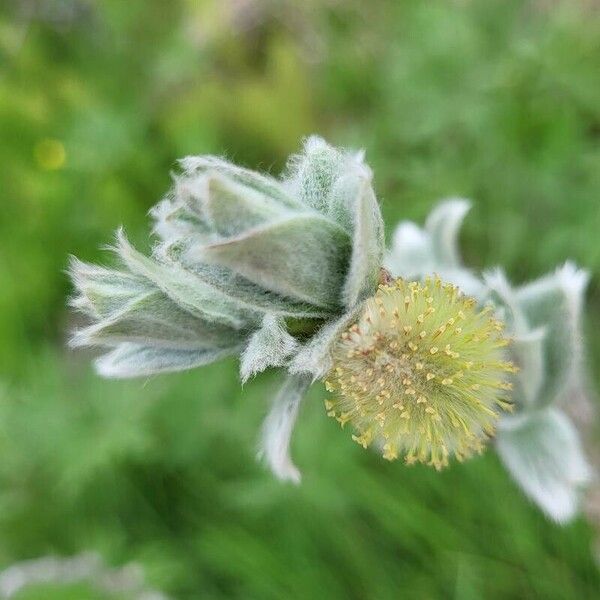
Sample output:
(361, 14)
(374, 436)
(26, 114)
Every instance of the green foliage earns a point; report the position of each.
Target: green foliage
(63, 592)
(496, 101)
(163, 473)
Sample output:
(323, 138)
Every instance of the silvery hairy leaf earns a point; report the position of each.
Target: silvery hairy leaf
(181, 212)
(101, 292)
(417, 252)
(314, 357)
(269, 346)
(186, 290)
(338, 185)
(145, 313)
(137, 360)
(502, 294)
(528, 344)
(245, 293)
(201, 165)
(303, 257)
(324, 209)
(278, 426)
(443, 226)
(543, 454)
(314, 175)
(411, 254)
(153, 319)
(231, 208)
(554, 302)
(528, 352)
(367, 246)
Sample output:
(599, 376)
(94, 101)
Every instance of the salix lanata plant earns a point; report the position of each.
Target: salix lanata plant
(269, 269)
(288, 273)
(538, 444)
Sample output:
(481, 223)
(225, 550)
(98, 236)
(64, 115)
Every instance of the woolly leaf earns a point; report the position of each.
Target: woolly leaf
(199, 165)
(182, 211)
(153, 319)
(415, 253)
(186, 290)
(233, 208)
(101, 291)
(240, 290)
(367, 247)
(314, 357)
(527, 348)
(324, 178)
(528, 355)
(443, 225)
(303, 257)
(411, 254)
(467, 282)
(137, 360)
(554, 302)
(269, 346)
(502, 294)
(312, 173)
(543, 454)
(278, 426)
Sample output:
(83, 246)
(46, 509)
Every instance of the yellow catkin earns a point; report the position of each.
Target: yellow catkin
(413, 385)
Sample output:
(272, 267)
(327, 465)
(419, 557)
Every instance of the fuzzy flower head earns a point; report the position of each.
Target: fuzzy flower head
(422, 374)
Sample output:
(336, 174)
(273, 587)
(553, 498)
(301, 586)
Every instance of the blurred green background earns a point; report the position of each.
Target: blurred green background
(498, 101)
